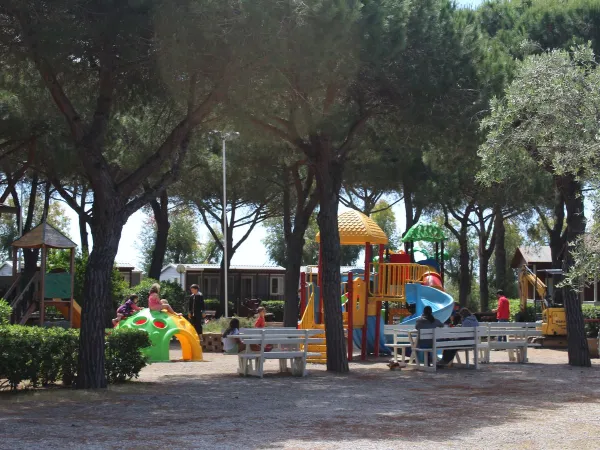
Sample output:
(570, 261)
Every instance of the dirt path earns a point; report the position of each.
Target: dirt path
(544, 404)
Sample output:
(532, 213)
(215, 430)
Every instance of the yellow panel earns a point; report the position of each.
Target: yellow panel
(357, 229)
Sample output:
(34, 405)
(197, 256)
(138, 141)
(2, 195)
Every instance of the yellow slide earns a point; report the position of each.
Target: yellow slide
(64, 310)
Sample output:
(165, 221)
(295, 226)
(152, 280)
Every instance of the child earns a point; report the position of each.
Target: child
(260, 322)
(231, 345)
(156, 304)
(126, 309)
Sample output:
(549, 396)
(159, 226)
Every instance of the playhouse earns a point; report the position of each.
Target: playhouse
(389, 277)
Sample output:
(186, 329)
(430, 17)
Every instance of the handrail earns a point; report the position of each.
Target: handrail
(20, 297)
(13, 286)
(392, 278)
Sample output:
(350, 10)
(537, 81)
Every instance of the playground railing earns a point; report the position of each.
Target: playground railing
(392, 278)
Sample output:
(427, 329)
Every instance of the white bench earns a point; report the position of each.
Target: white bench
(517, 336)
(462, 339)
(401, 341)
(288, 344)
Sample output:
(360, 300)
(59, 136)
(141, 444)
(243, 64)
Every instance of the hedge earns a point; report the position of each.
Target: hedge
(44, 356)
(275, 307)
(212, 304)
(5, 312)
(591, 312)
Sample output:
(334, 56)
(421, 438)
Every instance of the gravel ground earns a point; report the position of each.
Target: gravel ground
(543, 404)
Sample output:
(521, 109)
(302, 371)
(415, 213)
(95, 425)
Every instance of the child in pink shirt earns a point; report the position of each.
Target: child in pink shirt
(156, 304)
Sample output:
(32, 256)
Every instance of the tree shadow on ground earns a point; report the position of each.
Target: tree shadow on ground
(220, 409)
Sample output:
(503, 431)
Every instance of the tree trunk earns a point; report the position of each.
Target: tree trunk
(328, 174)
(464, 272)
(500, 250)
(161, 217)
(107, 227)
(484, 289)
(295, 244)
(579, 354)
(555, 234)
(83, 232)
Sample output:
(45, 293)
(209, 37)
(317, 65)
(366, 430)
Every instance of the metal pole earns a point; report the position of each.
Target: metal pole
(225, 228)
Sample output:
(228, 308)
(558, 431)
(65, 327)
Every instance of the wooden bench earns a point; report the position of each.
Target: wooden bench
(517, 336)
(400, 341)
(462, 339)
(287, 344)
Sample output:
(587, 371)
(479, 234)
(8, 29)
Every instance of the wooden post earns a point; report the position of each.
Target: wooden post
(378, 304)
(72, 270)
(350, 308)
(42, 292)
(363, 341)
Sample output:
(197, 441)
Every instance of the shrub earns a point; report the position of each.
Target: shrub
(39, 355)
(5, 312)
(275, 307)
(124, 358)
(43, 356)
(169, 290)
(213, 304)
(591, 312)
(220, 325)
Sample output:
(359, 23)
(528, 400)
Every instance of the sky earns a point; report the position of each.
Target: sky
(250, 252)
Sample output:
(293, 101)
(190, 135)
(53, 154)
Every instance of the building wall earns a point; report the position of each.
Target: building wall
(170, 274)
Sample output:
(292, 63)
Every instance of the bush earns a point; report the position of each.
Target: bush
(43, 356)
(275, 307)
(213, 304)
(5, 312)
(169, 290)
(591, 312)
(124, 358)
(39, 355)
(220, 325)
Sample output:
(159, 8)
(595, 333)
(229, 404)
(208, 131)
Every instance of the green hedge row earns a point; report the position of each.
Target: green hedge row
(5, 312)
(275, 307)
(212, 304)
(44, 356)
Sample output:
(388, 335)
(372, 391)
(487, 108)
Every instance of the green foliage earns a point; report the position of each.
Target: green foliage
(183, 241)
(169, 290)
(212, 304)
(275, 307)
(39, 355)
(220, 325)
(44, 356)
(5, 312)
(124, 358)
(386, 219)
(274, 243)
(591, 312)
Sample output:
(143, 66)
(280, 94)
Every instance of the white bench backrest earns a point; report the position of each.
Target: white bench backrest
(448, 337)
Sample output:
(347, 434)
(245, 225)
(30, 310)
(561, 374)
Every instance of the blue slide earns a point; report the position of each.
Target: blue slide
(441, 303)
(357, 337)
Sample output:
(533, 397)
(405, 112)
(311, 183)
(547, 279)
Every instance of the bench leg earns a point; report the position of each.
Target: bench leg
(396, 354)
(283, 365)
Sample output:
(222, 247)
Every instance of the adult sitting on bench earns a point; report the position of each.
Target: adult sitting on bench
(426, 322)
(467, 320)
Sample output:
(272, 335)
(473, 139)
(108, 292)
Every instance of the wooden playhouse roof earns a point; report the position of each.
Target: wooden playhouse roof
(357, 229)
(44, 235)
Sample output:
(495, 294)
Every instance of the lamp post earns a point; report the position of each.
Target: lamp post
(225, 136)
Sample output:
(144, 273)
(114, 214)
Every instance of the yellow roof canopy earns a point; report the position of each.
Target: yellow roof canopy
(357, 229)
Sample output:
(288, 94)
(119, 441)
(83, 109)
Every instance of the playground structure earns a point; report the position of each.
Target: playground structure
(397, 279)
(554, 321)
(162, 326)
(42, 289)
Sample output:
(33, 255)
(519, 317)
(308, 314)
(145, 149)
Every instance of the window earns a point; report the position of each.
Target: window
(277, 286)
